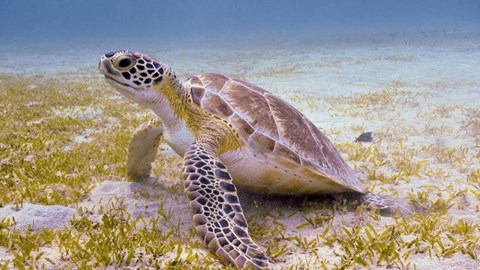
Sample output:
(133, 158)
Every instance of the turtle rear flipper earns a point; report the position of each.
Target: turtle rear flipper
(143, 148)
(384, 204)
(216, 210)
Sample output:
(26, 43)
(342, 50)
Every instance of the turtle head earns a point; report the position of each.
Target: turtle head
(134, 75)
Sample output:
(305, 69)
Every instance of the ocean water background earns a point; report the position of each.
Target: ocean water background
(185, 22)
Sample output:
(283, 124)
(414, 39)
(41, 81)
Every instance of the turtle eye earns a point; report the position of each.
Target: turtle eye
(125, 62)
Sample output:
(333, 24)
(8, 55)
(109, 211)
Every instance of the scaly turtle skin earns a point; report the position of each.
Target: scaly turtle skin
(216, 123)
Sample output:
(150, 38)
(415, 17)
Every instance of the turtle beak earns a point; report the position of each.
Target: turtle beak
(114, 78)
(105, 66)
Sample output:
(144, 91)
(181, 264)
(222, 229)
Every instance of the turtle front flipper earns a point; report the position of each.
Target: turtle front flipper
(216, 210)
(143, 148)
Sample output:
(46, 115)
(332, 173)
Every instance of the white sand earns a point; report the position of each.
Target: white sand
(38, 216)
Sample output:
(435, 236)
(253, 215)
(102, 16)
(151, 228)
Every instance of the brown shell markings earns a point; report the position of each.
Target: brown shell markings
(269, 123)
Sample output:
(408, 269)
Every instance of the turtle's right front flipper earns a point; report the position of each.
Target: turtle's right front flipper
(143, 149)
(216, 210)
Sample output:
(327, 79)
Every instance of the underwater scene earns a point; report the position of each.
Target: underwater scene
(240, 134)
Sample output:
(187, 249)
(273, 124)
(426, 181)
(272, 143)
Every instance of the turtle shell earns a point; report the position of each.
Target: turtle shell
(269, 123)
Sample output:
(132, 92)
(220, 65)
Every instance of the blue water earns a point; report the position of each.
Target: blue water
(187, 21)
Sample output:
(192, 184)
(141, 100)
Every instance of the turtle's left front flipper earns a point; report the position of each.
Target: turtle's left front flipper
(143, 149)
(216, 210)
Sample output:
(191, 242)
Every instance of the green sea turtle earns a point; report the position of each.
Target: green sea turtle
(230, 133)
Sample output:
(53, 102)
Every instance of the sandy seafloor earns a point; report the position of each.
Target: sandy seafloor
(317, 77)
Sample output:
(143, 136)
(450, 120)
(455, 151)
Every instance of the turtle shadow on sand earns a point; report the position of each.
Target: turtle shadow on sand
(254, 201)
